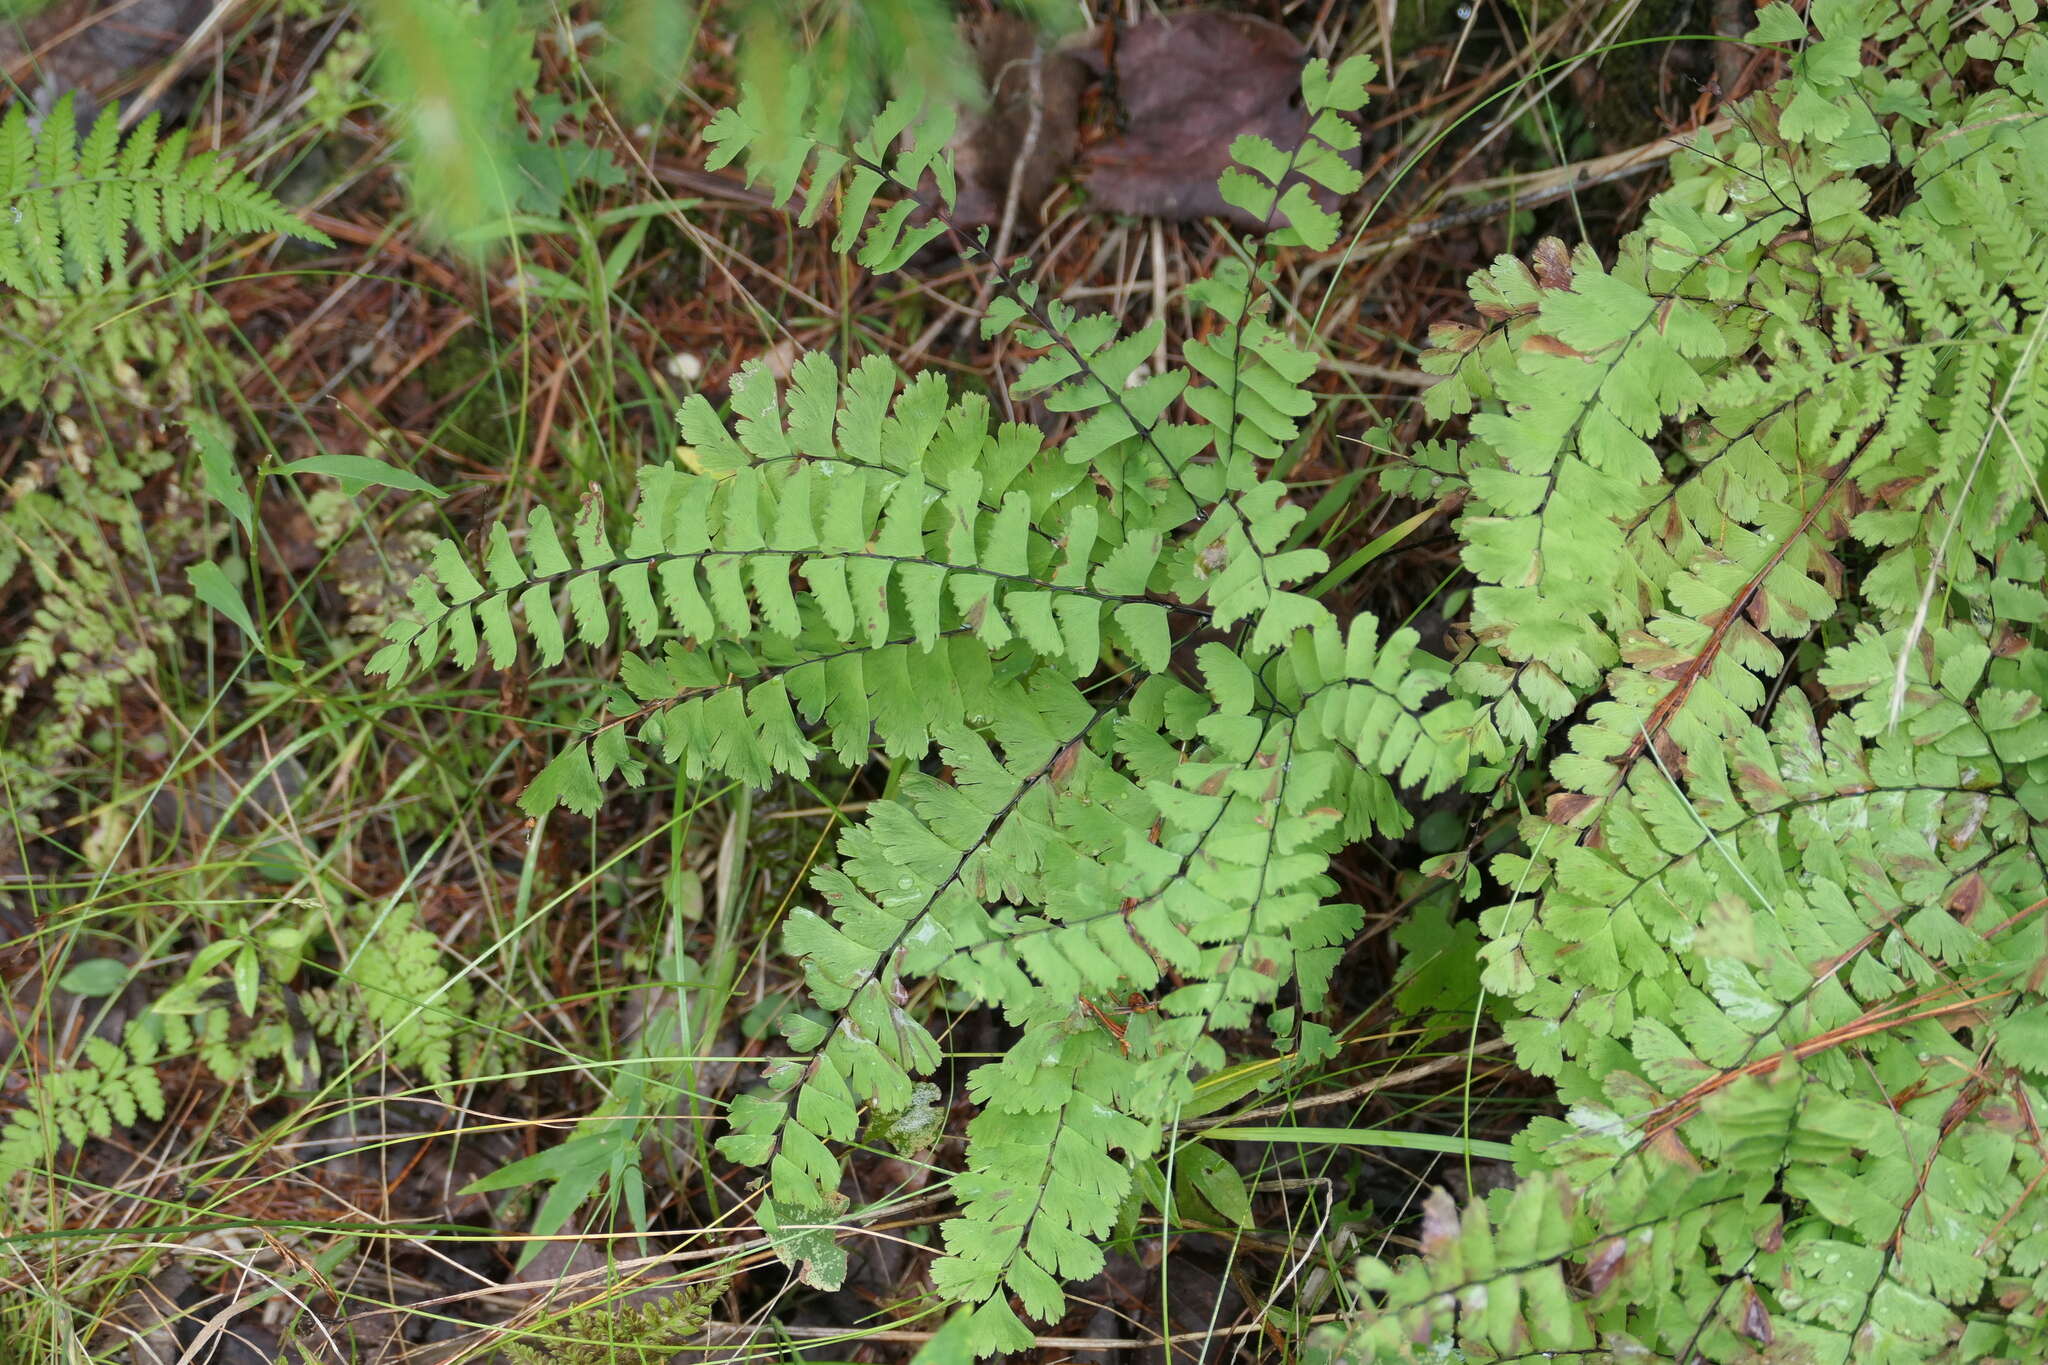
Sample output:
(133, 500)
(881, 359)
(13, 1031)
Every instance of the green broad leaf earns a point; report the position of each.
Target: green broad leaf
(357, 472)
(995, 1329)
(914, 1129)
(1439, 977)
(575, 1156)
(501, 561)
(568, 780)
(804, 1240)
(804, 1032)
(210, 584)
(1148, 1184)
(1284, 614)
(1308, 223)
(222, 481)
(1145, 628)
(573, 1171)
(1343, 88)
(248, 975)
(1812, 116)
(1777, 23)
(454, 573)
(952, 1344)
(95, 977)
(1257, 154)
(1201, 1175)
(1365, 1137)
(212, 955)
(494, 615)
(1230, 681)
(542, 623)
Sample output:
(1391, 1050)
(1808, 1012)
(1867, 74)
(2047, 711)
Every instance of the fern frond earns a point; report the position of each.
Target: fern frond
(1091, 373)
(861, 564)
(909, 894)
(1270, 184)
(1746, 931)
(1047, 1171)
(112, 1085)
(396, 996)
(66, 210)
(1369, 698)
(783, 137)
(1210, 860)
(605, 1333)
(845, 565)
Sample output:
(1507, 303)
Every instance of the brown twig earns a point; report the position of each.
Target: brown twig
(1362, 1089)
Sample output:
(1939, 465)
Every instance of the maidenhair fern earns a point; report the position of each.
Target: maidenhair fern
(864, 564)
(1761, 503)
(1755, 518)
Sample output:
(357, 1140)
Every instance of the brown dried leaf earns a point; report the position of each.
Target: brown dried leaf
(1025, 137)
(1756, 1323)
(1967, 898)
(1455, 336)
(1568, 808)
(89, 48)
(1606, 1263)
(1440, 1223)
(1666, 1143)
(1191, 84)
(1063, 765)
(1759, 781)
(1544, 344)
(1552, 263)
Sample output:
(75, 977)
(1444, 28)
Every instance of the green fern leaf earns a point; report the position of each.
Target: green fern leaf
(65, 210)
